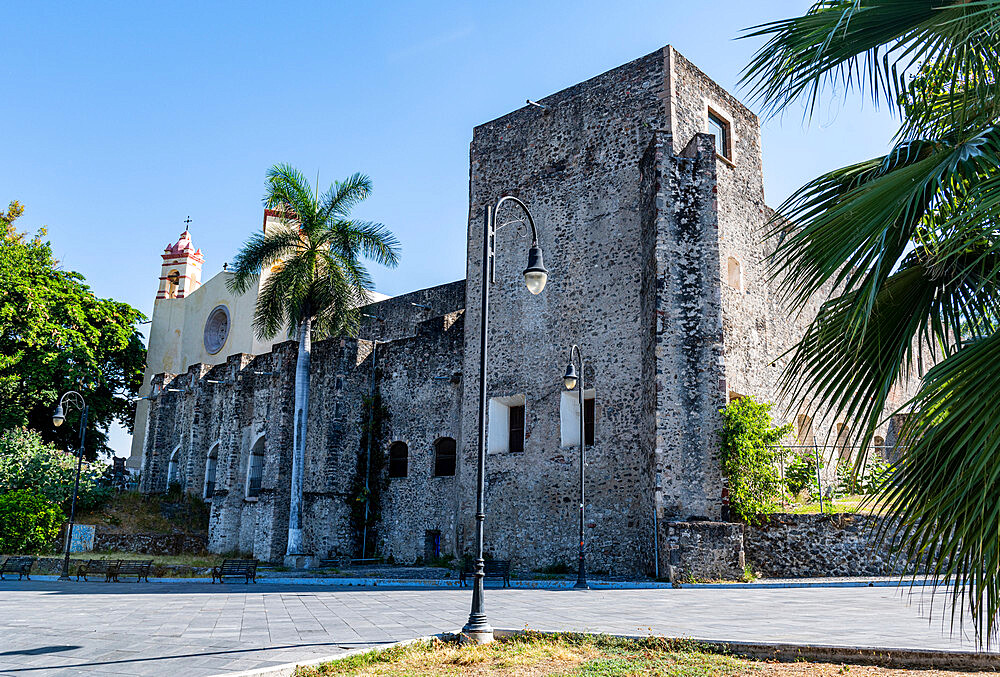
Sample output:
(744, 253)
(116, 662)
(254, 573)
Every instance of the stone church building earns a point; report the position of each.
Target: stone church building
(646, 186)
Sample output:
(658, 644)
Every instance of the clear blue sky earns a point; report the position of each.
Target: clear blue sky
(121, 119)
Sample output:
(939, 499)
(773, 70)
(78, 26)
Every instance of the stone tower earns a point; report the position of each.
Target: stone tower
(180, 273)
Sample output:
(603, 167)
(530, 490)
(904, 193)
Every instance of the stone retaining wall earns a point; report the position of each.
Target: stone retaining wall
(151, 544)
(783, 546)
(818, 545)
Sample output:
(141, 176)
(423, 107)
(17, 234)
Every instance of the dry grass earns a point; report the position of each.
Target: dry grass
(537, 655)
(134, 513)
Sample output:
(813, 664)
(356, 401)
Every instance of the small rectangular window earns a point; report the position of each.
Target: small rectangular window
(515, 429)
(720, 129)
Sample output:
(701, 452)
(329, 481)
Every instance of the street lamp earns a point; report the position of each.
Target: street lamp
(71, 398)
(570, 380)
(535, 276)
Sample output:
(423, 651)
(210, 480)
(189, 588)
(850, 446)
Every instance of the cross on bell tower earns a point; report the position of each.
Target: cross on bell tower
(180, 273)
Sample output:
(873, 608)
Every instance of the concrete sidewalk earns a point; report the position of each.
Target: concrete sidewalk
(198, 629)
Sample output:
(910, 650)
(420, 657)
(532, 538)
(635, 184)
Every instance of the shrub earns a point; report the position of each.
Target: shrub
(27, 462)
(800, 474)
(28, 522)
(750, 446)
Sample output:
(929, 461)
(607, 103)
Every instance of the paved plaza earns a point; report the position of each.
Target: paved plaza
(195, 629)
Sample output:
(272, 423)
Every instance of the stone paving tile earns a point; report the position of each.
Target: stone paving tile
(196, 629)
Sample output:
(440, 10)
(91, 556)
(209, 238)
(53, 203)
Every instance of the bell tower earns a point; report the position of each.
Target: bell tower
(180, 273)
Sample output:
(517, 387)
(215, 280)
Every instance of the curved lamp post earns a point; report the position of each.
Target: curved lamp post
(75, 399)
(570, 380)
(535, 276)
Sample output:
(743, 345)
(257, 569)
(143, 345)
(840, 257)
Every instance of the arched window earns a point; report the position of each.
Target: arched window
(804, 430)
(173, 468)
(444, 457)
(398, 457)
(210, 468)
(173, 281)
(256, 471)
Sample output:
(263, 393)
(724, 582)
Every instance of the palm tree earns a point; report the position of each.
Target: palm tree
(313, 281)
(910, 242)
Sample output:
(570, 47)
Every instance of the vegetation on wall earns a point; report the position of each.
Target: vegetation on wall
(374, 467)
(28, 522)
(750, 445)
(55, 335)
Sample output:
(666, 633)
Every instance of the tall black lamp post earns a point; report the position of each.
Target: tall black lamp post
(71, 398)
(535, 275)
(570, 380)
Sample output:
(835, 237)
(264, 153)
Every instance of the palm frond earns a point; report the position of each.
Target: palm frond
(258, 252)
(288, 189)
(849, 360)
(868, 45)
(946, 492)
(343, 196)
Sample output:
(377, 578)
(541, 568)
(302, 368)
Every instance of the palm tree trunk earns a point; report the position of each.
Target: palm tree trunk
(296, 542)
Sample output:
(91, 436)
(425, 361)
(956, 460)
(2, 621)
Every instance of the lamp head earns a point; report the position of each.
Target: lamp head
(570, 378)
(535, 275)
(57, 416)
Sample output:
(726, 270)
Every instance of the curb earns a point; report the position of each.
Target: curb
(288, 669)
(547, 585)
(885, 657)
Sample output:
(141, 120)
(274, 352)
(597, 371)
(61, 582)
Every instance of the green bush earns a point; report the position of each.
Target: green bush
(800, 474)
(27, 462)
(28, 522)
(750, 446)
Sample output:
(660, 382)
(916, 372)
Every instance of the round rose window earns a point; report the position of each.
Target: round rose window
(216, 329)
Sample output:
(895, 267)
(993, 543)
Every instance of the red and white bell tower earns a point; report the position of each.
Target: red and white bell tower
(180, 273)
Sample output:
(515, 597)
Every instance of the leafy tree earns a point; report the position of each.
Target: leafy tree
(750, 445)
(310, 279)
(55, 335)
(909, 240)
(28, 522)
(27, 462)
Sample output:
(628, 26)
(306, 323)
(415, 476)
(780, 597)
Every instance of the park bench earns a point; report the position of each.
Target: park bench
(236, 567)
(93, 567)
(17, 565)
(495, 569)
(133, 567)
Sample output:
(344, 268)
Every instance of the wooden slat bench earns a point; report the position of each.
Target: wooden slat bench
(17, 565)
(495, 569)
(93, 567)
(133, 567)
(236, 567)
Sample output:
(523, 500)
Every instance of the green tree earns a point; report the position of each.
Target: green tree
(55, 335)
(28, 522)
(750, 445)
(909, 240)
(28, 462)
(311, 279)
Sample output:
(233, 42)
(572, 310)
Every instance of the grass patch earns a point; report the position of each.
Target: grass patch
(535, 654)
(846, 504)
(531, 655)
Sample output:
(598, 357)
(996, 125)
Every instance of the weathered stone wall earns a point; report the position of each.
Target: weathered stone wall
(689, 361)
(576, 166)
(819, 545)
(151, 544)
(701, 550)
(783, 546)
(421, 386)
(401, 315)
